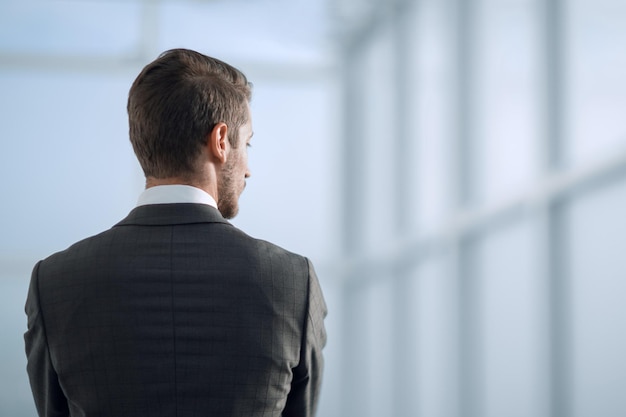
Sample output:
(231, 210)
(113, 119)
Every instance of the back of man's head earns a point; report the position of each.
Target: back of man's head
(173, 106)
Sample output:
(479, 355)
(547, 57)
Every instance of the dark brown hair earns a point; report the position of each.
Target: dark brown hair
(175, 103)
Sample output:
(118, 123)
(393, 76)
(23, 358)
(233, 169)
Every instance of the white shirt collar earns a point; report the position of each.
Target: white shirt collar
(172, 194)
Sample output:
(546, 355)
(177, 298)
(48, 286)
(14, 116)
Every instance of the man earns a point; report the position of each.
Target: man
(174, 311)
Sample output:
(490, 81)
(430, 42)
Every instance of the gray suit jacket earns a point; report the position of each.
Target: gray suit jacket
(175, 312)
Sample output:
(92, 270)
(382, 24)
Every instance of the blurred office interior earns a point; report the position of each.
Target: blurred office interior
(456, 170)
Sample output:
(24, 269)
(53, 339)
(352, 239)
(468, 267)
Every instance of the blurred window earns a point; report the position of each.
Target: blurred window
(70, 28)
(596, 242)
(433, 331)
(433, 109)
(507, 98)
(511, 304)
(379, 142)
(595, 67)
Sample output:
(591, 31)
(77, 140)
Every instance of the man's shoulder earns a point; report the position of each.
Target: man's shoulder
(78, 248)
(269, 250)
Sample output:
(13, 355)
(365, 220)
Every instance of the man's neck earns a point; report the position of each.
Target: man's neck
(210, 189)
(153, 182)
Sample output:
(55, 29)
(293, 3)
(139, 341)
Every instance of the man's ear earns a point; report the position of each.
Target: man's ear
(218, 141)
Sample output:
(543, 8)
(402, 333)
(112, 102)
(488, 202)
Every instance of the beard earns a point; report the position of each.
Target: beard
(228, 204)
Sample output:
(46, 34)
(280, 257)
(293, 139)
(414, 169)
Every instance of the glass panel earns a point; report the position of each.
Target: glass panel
(379, 119)
(507, 131)
(368, 354)
(595, 68)
(380, 339)
(74, 170)
(355, 350)
(510, 318)
(69, 27)
(432, 126)
(597, 238)
(434, 329)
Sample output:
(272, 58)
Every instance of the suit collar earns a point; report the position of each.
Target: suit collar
(170, 214)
